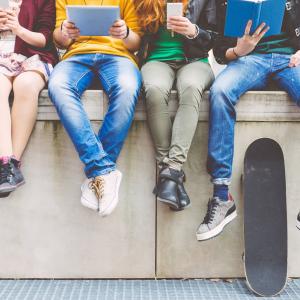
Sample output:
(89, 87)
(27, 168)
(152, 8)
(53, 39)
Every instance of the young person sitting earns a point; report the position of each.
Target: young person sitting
(253, 61)
(176, 55)
(27, 56)
(111, 60)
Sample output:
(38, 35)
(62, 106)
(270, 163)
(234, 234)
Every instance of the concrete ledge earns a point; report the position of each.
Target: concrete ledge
(46, 233)
(254, 106)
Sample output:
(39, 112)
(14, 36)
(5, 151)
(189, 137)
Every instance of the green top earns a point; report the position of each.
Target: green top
(168, 47)
(275, 44)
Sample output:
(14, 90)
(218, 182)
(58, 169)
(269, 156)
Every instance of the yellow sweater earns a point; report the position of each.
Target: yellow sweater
(105, 45)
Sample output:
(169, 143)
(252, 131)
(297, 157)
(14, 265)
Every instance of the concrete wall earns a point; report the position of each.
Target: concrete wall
(46, 233)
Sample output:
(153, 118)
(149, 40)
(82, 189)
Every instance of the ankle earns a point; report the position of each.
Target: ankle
(5, 159)
(221, 192)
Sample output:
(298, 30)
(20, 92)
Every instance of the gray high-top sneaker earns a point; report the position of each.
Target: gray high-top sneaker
(219, 213)
(298, 221)
(7, 183)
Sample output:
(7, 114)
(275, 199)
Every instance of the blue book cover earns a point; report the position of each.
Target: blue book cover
(239, 12)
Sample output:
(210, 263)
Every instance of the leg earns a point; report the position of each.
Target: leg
(24, 109)
(158, 80)
(5, 120)
(68, 81)
(121, 81)
(192, 80)
(289, 80)
(250, 72)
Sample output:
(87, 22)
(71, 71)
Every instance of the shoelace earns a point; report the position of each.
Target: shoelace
(97, 186)
(211, 210)
(5, 172)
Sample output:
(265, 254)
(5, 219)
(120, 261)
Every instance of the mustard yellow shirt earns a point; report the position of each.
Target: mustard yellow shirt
(105, 45)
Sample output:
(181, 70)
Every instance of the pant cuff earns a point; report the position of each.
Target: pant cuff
(96, 173)
(172, 164)
(221, 181)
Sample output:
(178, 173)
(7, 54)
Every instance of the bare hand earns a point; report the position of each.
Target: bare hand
(118, 30)
(13, 22)
(69, 30)
(3, 18)
(295, 60)
(247, 43)
(182, 25)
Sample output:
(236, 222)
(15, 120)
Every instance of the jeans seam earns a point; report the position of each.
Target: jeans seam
(107, 83)
(80, 78)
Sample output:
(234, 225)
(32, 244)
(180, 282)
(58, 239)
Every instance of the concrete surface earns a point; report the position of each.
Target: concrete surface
(46, 233)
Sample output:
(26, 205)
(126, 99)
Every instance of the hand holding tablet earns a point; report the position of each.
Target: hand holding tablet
(92, 21)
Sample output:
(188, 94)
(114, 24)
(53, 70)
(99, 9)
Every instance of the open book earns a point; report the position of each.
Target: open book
(239, 12)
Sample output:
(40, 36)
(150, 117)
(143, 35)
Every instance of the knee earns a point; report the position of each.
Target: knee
(219, 95)
(59, 87)
(128, 85)
(155, 96)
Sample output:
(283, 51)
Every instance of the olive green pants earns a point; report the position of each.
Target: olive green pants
(173, 141)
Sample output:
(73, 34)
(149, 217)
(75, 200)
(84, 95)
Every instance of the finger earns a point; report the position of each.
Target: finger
(69, 25)
(11, 18)
(293, 59)
(73, 31)
(292, 65)
(118, 30)
(177, 18)
(74, 36)
(178, 29)
(259, 29)
(248, 27)
(180, 24)
(119, 23)
(262, 34)
(118, 34)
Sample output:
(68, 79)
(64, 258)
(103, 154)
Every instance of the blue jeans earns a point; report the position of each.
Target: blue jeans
(247, 73)
(121, 81)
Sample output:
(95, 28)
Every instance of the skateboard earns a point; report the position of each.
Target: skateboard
(265, 218)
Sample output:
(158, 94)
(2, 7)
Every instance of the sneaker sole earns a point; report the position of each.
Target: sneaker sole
(298, 225)
(4, 195)
(115, 201)
(217, 230)
(86, 203)
(169, 203)
(6, 192)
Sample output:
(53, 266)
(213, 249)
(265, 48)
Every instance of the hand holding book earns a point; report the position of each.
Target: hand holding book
(248, 42)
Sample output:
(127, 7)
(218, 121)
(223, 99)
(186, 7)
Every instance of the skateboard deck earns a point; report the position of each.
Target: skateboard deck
(265, 218)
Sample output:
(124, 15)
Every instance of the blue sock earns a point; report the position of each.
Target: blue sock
(221, 191)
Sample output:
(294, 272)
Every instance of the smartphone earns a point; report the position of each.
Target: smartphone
(174, 9)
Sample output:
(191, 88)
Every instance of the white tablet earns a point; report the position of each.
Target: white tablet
(93, 20)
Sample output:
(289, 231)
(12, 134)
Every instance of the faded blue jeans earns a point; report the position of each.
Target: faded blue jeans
(121, 81)
(252, 72)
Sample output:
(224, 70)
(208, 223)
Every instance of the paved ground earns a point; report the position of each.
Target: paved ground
(134, 290)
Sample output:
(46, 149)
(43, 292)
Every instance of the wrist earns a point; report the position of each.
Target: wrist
(19, 30)
(195, 32)
(236, 52)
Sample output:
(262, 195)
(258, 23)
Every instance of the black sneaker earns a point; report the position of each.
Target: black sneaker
(17, 174)
(7, 183)
(298, 221)
(219, 213)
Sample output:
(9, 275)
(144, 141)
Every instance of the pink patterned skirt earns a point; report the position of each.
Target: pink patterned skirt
(12, 65)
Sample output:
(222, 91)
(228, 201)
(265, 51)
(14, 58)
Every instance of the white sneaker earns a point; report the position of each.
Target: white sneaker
(102, 193)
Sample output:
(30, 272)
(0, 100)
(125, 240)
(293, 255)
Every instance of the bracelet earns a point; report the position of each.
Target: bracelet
(196, 34)
(234, 52)
(127, 34)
